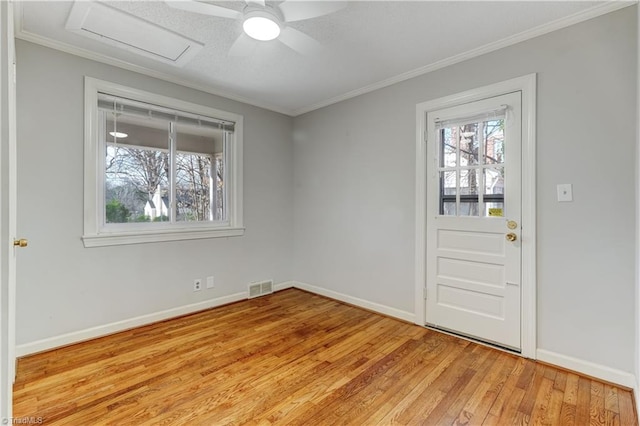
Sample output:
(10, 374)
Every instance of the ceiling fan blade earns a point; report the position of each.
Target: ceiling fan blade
(300, 42)
(204, 8)
(255, 2)
(299, 10)
(243, 46)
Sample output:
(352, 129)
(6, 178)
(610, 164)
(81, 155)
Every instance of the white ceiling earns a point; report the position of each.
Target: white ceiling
(366, 45)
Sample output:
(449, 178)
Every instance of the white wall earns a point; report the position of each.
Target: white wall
(64, 287)
(354, 173)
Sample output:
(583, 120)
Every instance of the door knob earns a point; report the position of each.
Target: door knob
(511, 237)
(20, 243)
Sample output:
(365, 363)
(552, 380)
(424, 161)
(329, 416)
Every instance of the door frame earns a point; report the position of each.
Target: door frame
(7, 208)
(527, 85)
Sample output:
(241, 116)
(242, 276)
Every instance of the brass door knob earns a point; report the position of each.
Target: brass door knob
(20, 243)
(511, 237)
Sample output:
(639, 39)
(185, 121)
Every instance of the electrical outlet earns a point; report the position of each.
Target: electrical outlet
(197, 284)
(210, 282)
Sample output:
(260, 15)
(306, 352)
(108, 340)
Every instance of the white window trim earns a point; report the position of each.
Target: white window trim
(95, 235)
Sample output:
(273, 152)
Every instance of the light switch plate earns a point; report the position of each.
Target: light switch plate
(565, 192)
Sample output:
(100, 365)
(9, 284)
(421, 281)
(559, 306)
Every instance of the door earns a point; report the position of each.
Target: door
(473, 215)
(7, 208)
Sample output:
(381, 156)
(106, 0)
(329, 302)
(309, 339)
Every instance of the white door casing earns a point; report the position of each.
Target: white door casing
(526, 85)
(473, 272)
(7, 207)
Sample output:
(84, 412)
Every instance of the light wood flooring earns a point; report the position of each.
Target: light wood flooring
(301, 359)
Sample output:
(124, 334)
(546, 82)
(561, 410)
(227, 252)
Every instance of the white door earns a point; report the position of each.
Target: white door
(473, 212)
(7, 207)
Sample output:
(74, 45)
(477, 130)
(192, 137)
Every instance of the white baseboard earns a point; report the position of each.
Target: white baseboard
(284, 285)
(115, 327)
(579, 365)
(589, 368)
(376, 307)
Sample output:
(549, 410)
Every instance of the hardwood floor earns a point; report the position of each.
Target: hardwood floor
(301, 359)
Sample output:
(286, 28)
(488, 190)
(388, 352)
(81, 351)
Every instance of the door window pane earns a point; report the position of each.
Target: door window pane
(448, 182)
(471, 167)
(449, 208)
(469, 181)
(468, 144)
(494, 181)
(493, 140)
(468, 208)
(449, 151)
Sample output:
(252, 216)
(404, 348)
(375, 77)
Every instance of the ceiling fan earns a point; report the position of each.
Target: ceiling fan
(263, 22)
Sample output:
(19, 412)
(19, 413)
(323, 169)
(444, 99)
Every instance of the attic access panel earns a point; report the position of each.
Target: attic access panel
(120, 29)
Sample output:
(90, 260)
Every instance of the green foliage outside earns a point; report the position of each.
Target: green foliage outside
(116, 212)
(142, 218)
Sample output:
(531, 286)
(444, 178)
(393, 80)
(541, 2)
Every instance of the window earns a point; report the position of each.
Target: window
(472, 166)
(158, 169)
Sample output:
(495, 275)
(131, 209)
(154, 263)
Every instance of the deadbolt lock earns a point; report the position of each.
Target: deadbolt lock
(512, 224)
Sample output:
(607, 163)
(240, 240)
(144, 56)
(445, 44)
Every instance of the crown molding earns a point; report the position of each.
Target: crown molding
(585, 15)
(22, 34)
(593, 12)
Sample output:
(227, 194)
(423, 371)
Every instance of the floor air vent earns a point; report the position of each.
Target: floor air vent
(260, 288)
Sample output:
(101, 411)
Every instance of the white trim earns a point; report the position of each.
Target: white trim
(372, 306)
(7, 209)
(636, 385)
(593, 12)
(118, 326)
(589, 368)
(103, 240)
(581, 366)
(527, 85)
(95, 233)
(283, 285)
(88, 54)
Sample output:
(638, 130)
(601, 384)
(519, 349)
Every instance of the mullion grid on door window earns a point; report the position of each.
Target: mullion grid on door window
(477, 171)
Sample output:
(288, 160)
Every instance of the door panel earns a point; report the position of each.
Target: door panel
(473, 191)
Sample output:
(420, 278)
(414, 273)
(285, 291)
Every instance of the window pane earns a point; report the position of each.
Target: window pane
(449, 140)
(199, 173)
(494, 181)
(468, 144)
(493, 141)
(469, 181)
(136, 169)
(448, 182)
(448, 208)
(468, 208)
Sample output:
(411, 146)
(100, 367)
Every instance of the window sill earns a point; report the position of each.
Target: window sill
(156, 236)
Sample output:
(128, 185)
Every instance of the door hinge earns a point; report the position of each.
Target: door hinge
(424, 292)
